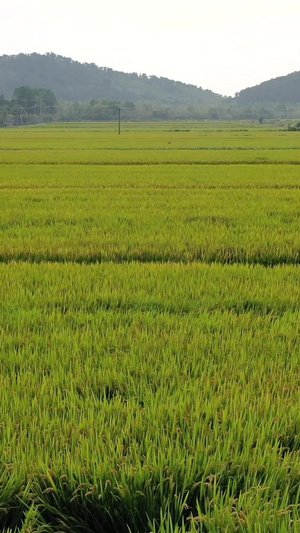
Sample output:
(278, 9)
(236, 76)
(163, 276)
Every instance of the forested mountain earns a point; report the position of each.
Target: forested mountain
(74, 81)
(36, 88)
(282, 90)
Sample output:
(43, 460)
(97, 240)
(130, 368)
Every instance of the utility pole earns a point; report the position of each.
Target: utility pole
(119, 121)
(40, 102)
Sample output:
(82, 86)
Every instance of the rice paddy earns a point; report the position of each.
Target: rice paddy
(149, 328)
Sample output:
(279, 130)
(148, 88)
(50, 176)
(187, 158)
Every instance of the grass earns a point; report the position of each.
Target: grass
(146, 384)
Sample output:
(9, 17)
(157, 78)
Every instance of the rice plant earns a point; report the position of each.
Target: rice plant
(149, 332)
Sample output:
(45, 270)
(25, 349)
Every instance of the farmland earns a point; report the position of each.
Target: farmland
(149, 328)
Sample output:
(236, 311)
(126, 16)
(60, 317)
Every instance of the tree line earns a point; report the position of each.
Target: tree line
(30, 106)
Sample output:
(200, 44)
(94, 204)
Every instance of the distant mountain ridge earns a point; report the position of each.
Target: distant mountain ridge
(74, 81)
(281, 90)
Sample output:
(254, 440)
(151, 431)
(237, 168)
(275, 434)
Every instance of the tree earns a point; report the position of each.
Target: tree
(294, 127)
(29, 102)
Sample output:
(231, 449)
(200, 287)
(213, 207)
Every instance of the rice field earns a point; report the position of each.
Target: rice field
(149, 328)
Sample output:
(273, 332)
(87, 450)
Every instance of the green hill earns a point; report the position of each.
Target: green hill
(74, 81)
(284, 90)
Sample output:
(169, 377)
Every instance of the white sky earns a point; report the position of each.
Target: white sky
(222, 45)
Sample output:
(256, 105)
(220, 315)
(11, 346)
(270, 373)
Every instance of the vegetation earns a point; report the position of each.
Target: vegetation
(36, 106)
(149, 328)
(74, 81)
(294, 127)
(28, 106)
(73, 91)
(282, 90)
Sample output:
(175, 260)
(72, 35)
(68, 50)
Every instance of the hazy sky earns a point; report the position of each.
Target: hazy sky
(220, 45)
